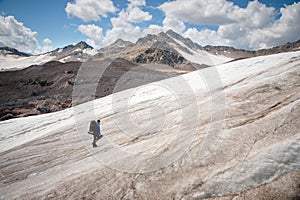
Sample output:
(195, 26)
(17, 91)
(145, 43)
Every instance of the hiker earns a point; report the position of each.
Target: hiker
(95, 131)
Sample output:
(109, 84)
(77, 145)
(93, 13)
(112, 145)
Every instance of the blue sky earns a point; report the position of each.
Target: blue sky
(49, 24)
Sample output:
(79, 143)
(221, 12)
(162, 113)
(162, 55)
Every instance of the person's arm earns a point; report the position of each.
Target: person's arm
(99, 129)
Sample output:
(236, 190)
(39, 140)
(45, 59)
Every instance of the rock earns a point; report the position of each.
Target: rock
(71, 82)
(7, 116)
(44, 109)
(159, 56)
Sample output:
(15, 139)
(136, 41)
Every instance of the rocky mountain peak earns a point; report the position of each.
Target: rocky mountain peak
(121, 43)
(80, 45)
(187, 41)
(148, 38)
(159, 41)
(116, 48)
(167, 40)
(78, 52)
(83, 45)
(173, 34)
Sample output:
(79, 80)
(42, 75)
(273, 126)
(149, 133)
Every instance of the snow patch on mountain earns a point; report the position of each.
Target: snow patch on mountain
(8, 63)
(65, 59)
(90, 51)
(200, 56)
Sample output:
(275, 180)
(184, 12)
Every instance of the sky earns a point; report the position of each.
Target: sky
(37, 26)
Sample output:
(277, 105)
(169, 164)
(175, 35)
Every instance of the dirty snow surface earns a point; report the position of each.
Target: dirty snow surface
(9, 63)
(214, 132)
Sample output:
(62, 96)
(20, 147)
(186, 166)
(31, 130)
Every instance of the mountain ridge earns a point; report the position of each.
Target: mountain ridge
(241, 53)
(151, 39)
(155, 48)
(166, 44)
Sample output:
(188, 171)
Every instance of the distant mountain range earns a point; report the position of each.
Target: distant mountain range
(164, 48)
(240, 53)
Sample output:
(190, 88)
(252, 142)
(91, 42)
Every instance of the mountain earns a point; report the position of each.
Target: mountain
(11, 59)
(79, 52)
(290, 46)
(117, 47)
(240, 53)
(225, 132)
(7, 51)
(229, 52)
(169, 48)
(172, 42)
(166, 48)
(186, 41)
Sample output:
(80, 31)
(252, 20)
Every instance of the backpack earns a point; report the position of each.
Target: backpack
(93, 128)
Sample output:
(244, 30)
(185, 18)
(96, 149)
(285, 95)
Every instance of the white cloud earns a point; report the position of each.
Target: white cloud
(136, 15)
(90, 10)
(133, 13)
(205, 37)
(123, 26)
(47, 45)
(153, 29)
(256, 15)
(95, 34)
(135, 3)
(120, 21)
(219, 12)
(96, 38)
(47, 41)
(285, 29)
(131, 33)
(125, 31)
(255, 28)
(252, 27)
(14, 34)
(174, 24)
(200, 12)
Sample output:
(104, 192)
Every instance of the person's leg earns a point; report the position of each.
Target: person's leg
(94, 141)
(98, 135)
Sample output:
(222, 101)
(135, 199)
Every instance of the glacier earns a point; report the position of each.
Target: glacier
(217, 131)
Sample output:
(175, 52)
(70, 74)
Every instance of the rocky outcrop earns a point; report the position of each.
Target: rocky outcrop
(37, 89)
(159, 56)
